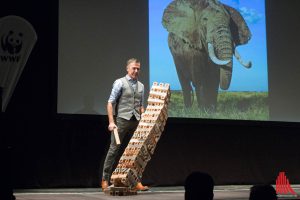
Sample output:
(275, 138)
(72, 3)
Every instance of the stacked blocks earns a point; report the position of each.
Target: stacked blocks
(143, 142)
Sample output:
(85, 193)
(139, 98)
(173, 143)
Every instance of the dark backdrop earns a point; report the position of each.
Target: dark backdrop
(51, 150)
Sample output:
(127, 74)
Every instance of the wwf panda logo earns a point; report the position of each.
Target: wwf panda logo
(12, 42)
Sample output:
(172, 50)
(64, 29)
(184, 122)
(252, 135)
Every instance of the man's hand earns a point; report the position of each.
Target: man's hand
(111, 121)
(112, 126)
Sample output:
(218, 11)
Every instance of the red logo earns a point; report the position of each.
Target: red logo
(283, 187)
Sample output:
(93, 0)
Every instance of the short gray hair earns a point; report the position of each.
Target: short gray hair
(132, 60)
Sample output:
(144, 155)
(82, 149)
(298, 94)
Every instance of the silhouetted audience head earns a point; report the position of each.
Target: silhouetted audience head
(262, 192)
(199, 186)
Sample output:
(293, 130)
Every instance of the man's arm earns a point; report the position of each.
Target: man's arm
(110, 115)
(115, 94)
(142, 109)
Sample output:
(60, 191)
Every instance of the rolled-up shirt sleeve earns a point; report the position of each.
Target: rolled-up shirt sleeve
(116, 91)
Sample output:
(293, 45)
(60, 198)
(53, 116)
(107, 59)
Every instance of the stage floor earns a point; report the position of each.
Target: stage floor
(232, 192)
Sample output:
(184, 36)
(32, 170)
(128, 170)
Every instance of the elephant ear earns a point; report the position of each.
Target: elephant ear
(179, 18)
(239, 29)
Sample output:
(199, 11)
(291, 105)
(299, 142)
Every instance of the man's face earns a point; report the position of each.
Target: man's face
(133, 69)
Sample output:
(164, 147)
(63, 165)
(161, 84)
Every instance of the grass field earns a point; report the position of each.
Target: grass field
(231, 105)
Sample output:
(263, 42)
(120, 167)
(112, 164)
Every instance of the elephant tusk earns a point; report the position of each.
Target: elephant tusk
(213, 56)
(247, 64)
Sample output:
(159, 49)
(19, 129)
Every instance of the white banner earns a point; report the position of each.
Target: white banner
(17, 40)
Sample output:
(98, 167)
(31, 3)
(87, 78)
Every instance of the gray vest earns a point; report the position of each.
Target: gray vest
(129, 102)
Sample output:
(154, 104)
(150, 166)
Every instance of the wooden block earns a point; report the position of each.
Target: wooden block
(116, 134)
(120, 191)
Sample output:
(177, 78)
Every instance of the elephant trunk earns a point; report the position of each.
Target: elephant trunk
(223, 48)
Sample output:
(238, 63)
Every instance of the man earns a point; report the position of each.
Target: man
(127, 96)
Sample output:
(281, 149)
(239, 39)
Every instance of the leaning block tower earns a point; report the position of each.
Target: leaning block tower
(143, 142)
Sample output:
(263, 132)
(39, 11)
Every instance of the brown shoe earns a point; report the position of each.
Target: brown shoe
(104, 184)
(140, 187)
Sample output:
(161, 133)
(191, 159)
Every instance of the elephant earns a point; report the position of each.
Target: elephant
(202, 37)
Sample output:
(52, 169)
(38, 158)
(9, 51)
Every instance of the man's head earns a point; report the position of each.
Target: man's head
(133, 67)
(262, 192)
(199, 185)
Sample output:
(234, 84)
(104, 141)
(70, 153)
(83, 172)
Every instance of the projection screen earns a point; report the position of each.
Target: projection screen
(213, 54)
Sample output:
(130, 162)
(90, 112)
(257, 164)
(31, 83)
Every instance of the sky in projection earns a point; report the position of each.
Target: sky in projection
(162, 68)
